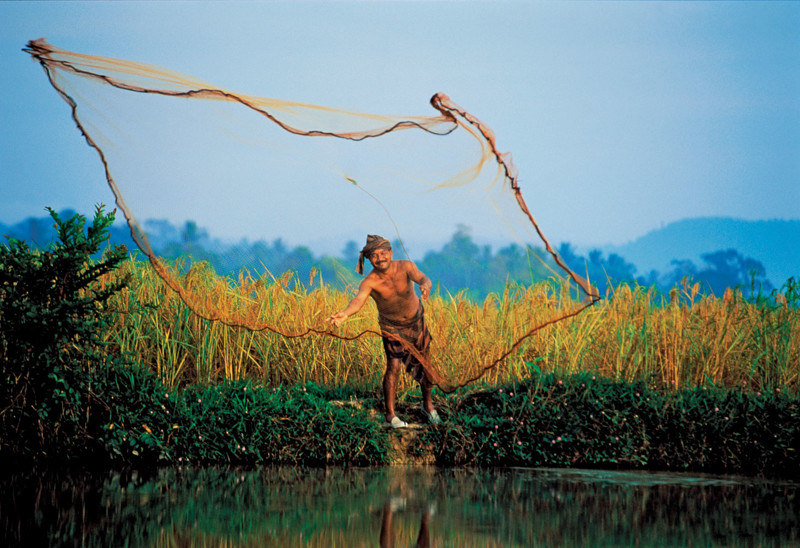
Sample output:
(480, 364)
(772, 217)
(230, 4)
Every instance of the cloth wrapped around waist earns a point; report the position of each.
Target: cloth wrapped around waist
(413, 333)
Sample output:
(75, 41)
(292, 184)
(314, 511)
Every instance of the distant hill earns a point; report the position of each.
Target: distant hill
(772, 243)
(776, 244)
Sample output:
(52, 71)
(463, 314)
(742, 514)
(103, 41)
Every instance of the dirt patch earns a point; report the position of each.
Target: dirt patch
(403, 450)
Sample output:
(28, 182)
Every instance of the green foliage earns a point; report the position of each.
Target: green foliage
(240, 422)
(52, 325)
(474, 271)
(63, 394)
(592, 422)
(721, 270)
(580, 421)
(230, 422)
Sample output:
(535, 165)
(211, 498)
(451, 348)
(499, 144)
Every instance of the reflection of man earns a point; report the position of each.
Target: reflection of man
(386, 539)
(400, 315)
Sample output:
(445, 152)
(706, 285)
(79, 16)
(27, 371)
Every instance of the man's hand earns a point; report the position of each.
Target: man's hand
(425, 290)
(337, 319)
(354, 306)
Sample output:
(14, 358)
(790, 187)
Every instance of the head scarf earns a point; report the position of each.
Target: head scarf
(374, 243)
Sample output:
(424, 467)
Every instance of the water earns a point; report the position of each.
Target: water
(394, 507)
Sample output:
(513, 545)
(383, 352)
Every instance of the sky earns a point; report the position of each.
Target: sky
(621, 116)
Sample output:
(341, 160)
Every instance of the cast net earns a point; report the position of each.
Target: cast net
(181, 152)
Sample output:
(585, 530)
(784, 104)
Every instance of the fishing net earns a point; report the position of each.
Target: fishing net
(184, 151)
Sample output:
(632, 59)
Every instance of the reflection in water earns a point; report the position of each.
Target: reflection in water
(394, 507)
(387, 531)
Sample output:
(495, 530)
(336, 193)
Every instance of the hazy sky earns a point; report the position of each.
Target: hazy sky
(621, 116)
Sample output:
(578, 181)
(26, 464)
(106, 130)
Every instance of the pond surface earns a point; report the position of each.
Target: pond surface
(277, 506)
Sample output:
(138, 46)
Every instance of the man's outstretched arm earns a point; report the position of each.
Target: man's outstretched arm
(354, 306)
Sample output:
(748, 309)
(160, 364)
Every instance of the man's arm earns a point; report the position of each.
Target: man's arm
(355, 305)
(421, 280)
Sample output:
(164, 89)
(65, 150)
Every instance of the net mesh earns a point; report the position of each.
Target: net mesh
(178, 149)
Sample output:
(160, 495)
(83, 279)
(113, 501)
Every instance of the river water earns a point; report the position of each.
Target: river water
(394, 506)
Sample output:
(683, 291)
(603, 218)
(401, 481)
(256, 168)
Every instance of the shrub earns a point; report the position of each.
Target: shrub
(593, 422)
(52, 325)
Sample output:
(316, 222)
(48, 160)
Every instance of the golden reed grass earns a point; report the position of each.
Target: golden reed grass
(636, 333)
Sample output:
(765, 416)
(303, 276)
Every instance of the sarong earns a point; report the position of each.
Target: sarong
(415, 333)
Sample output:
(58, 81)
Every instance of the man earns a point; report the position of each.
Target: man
(401, 317)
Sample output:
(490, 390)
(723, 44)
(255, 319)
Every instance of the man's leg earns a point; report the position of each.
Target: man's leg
(426, 387)
(390, 385)
(425, 384)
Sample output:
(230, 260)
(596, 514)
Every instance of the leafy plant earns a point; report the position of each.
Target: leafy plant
(593, 422)
(53, 319)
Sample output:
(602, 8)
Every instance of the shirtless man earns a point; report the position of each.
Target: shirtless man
(400, 314)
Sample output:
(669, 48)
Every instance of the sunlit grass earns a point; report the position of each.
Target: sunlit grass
(636, 333)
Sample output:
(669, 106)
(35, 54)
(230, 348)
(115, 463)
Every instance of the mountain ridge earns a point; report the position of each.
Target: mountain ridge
(774, 243)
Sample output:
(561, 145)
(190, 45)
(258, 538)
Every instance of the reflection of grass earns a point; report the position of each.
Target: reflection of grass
(345, 507)
(684, 339)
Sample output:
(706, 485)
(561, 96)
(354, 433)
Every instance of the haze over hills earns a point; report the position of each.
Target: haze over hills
(774, 243)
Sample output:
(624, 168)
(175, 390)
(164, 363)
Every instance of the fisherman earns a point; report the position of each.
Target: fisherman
(401, 317)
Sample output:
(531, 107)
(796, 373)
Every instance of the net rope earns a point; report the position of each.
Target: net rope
(284, 130)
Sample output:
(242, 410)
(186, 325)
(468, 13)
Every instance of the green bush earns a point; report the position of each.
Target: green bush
(230, 422)
(593, 422)
(52, 323)
(64, 396)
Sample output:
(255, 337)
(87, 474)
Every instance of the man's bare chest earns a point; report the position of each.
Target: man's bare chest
(393, 288)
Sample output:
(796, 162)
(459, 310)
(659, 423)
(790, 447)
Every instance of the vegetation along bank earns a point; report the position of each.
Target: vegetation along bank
(99, 364)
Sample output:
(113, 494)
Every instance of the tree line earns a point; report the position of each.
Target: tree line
(460, 266)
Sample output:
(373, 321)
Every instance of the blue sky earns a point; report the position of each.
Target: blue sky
(621, 116)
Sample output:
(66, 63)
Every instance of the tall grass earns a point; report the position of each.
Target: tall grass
(636, 333)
